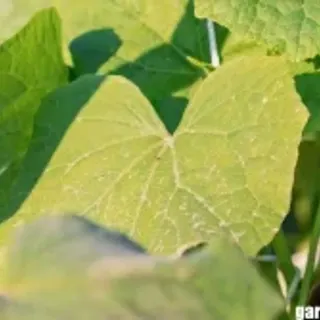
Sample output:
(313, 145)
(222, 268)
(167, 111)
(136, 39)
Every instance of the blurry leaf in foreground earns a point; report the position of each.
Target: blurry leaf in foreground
(65, 267)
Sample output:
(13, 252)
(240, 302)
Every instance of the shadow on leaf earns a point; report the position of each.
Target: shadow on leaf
(163, 74)
(307, 86)
(95, 48)
(51, 123)
(160, 73)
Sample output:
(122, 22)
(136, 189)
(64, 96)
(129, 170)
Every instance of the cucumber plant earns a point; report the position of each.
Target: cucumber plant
(128, 114)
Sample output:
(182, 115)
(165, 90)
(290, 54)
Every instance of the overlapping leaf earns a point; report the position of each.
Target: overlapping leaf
(306, 186)
(33, 56)
(158, 45)
(307, 85)
(31, 65)
(67, 268)
(229, 166)
(292, 26)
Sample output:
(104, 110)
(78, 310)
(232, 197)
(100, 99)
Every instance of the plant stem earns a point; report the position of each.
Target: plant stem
(313, 246)
(280, 246)
(215, 60)
(292, 289)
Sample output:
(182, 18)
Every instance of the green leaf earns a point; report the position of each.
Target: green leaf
(306, 188)
(229, 167)
(33, 55)
(234, 46)
(31, 65)
(231, 45)
(287, 25)
(101, 274)
(130, 38)
(307, 85)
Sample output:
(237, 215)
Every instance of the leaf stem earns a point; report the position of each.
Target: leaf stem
(281, 248)
(293, 287)
(215, 60)
(313, 246)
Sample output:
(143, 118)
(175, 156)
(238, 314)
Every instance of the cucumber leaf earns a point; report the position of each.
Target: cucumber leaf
(130, 38)
(31, 65)
(290, 26)
(228, 168)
